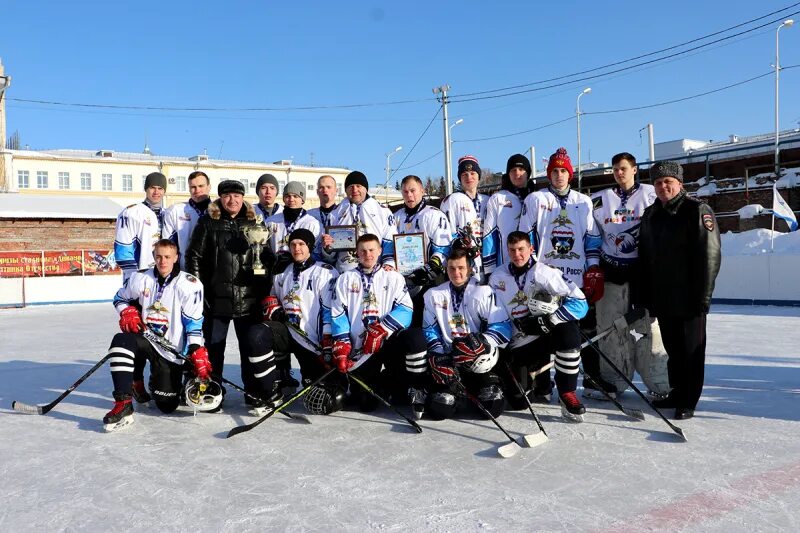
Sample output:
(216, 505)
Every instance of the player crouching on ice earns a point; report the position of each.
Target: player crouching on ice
(464, 328)
(172, 307)
(545, 307)
(370, 319)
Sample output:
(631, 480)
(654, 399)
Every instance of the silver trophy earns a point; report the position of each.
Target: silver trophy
(257, 236)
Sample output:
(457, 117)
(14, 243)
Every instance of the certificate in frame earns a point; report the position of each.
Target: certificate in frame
(409, 252)
(344, 238)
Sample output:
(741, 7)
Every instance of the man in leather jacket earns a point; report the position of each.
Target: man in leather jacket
(679, 258)
(220, 256)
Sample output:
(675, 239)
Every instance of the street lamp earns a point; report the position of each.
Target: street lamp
(786, 23)
(449, 185)
(388, 171)
(578, 117)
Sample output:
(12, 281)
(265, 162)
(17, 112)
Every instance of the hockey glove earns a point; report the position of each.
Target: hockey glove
(327, 349)
(443, 369)
(341, 355)
(468, 347)
(130, 321)
(273, 310)
(202, 366)
(593, 283)
(376, 334)
(534, 325)
(426, 276)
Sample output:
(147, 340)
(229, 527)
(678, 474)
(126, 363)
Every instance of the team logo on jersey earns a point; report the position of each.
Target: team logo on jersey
(625, 242)
(191, 278)
(508, 203)
(146, 292)
(185, 216)
(563, 239)
(501, 285)
(355, 287)
(520, 299)
(157, 319)
(441, 304)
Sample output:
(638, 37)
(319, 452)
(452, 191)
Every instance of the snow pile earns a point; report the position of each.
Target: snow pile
(750, 211)
(757, 241)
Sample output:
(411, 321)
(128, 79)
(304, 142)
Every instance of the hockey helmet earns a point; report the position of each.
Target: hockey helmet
(483, 363)
(543, 303)
(324, 399)
(203, 395)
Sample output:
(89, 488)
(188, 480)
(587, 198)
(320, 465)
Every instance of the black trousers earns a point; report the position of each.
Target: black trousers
(685, 342)
(215, 331)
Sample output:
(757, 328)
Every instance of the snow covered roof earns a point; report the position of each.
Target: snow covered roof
(14, 205)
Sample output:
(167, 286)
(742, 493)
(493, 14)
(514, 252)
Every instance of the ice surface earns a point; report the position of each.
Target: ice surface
(740, 470)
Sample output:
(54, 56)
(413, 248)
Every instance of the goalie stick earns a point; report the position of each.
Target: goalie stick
(44, 409)
(170, 348)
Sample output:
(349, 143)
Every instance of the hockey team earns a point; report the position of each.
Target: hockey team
(511, 287)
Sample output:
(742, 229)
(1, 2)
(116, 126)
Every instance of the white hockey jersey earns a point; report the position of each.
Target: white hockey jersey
(179, 222)
(370, 217)
(562, 231)
(138, 229)
(503, 211)
(360, 298)
(513, 290)
(280, 230)
(462, 211)
(305, 294)
(445, 318)
(618, 216)
(322, 217)
(264, 214)
(431, 222)
(173, 311)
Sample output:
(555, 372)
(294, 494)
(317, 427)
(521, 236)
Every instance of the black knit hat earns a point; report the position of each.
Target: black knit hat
(266, 178)
(666, 169)
(356, 178)
(304, 235)
(230, 186)
(468, 163)
(518, 160)
(155, 179)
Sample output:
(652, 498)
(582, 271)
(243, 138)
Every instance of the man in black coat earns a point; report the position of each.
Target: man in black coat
(679, 258)
(220, 256)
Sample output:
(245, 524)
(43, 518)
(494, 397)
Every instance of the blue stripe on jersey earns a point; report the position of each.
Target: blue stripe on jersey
(399, 317)
(433, 336)
(499, 331)
(592, 244)
(127, 255)
(387, 250)
(533, 235)
(340, 327)
(444, 251)
(491, 247)
(572, 309)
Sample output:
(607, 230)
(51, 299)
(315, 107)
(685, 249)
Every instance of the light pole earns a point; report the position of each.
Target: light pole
(578, 117)
(448, 187)
(443, 99)
(388, 171)
(786, 23)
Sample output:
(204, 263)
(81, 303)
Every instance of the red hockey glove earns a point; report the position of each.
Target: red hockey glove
(468, 347)
(593, 283)
(130, 321)
(202, 366)
(376, 334)
(443, 370)
(341, 356)
(272, 309)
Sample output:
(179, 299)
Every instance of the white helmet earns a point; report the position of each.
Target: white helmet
(483, 363)
(543, 303)
(203, 395)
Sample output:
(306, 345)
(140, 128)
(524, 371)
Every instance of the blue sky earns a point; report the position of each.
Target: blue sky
(241, 54)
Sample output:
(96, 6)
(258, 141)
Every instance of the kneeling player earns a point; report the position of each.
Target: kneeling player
(296, 320)
(464, 328)
(370, 319)
(545, 307)
(172, 307)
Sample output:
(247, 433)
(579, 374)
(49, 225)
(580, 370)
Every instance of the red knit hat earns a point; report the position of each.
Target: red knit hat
(560, 159)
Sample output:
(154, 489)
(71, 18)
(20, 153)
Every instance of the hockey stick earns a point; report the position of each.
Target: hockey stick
(384, 402)
(530, 440)
(672, 426)
(170, 348)
(507, 450)
(636, 414)
(44, 409)
(247, 427)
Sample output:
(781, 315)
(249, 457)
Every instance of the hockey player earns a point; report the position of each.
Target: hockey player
(169, 303)
(292, 216)
(296, 320)
(464, 328)
(326, 192)
(370, 319)
(180, 219)
(361, 210)
(466, 209)
(503, 211)
(525, 285)
(267, 192)
(419, 217)
(617, 213)
(138, 228)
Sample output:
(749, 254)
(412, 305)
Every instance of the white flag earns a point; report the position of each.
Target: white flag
(781, 209)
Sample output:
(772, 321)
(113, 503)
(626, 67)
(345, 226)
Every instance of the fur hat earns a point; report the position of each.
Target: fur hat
(230, 186)
(664, 169)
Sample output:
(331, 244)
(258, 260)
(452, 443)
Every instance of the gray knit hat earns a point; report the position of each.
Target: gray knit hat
(155, 179)
(266, 178)
(665, 169)
(295, 187)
